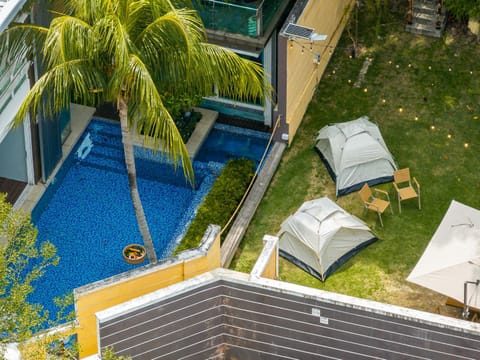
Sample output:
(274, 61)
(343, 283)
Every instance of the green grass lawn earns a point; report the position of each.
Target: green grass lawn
(436, 82)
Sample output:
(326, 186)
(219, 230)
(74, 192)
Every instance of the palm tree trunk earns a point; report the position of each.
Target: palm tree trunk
(132, 180)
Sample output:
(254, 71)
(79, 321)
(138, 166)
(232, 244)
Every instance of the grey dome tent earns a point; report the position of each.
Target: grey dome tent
(355, 153)
(320, 236)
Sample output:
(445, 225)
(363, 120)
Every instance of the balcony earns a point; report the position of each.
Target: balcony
(247, 20)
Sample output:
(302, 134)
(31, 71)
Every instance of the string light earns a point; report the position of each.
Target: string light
(432, 127)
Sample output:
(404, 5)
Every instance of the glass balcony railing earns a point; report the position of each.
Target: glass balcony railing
(245, 17)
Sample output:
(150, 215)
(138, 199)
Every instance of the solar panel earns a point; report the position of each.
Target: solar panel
(298, 31)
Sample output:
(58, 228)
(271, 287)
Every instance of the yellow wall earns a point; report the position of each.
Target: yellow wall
(326, 17)
(270, 270)
(267, 262)
(141, 283)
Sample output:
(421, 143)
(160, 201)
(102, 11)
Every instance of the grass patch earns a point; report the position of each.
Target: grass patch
(436, 82)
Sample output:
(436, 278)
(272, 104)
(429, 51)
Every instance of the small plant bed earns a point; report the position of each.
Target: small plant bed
(134, 253)
(221, 201)
(186, 123)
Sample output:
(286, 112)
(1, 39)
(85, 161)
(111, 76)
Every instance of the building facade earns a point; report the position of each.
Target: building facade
(30, 150)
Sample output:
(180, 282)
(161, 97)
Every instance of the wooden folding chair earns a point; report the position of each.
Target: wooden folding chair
(370, 202)
(404, 187)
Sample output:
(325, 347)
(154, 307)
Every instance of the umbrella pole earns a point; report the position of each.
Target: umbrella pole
(465, 306)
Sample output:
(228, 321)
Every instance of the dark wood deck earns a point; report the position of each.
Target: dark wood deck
(13, 189)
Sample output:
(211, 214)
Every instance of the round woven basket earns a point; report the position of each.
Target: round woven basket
(134, 253)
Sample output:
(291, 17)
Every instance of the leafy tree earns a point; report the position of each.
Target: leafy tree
(130, 52)
(22, 262)
(109, 354)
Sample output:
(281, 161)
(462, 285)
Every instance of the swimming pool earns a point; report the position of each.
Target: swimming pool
(87, 212)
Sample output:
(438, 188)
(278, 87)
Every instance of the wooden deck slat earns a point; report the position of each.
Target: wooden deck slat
(13, 189)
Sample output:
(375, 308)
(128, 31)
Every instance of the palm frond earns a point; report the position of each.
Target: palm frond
(52, 92)
(235, 77)
(68, 38)
(147, 110)
(174, 31)
(112, 42)
(89, 10)
(21, 40)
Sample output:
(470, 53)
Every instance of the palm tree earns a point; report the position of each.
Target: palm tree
(132, 53)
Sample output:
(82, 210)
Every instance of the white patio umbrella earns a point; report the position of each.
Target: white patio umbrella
(450, 264)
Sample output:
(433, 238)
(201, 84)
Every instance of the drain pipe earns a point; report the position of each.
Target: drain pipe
(465, 306)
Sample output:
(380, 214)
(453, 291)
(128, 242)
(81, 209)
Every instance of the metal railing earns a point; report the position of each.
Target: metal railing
(249, 18)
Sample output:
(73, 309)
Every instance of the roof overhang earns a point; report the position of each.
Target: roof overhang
(8, 10)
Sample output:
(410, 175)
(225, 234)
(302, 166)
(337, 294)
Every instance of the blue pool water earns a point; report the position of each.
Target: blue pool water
(225, 142)
(87, 211)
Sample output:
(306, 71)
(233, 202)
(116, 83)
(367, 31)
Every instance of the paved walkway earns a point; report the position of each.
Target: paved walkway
(201, 131)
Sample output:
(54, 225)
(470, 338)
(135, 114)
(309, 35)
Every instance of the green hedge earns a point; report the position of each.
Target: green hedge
(220, 202)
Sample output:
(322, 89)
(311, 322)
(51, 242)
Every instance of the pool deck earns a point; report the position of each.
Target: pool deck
(209, 117)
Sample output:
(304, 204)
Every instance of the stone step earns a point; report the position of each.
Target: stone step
(429, 20)
(423, 29)
(425, 8)
(424, 18)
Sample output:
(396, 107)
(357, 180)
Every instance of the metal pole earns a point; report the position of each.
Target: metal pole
(465, 306)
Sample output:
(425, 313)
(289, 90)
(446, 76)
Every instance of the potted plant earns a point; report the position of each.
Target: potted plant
(134, 253)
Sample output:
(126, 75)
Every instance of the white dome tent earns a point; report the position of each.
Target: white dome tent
(355, 153)
(321, 236)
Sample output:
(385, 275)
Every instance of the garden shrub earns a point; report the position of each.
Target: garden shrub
(220, 203)
(186, 124)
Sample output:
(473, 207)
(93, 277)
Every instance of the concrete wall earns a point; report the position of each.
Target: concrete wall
(121, 288)
(296, 58)
(266, 265)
